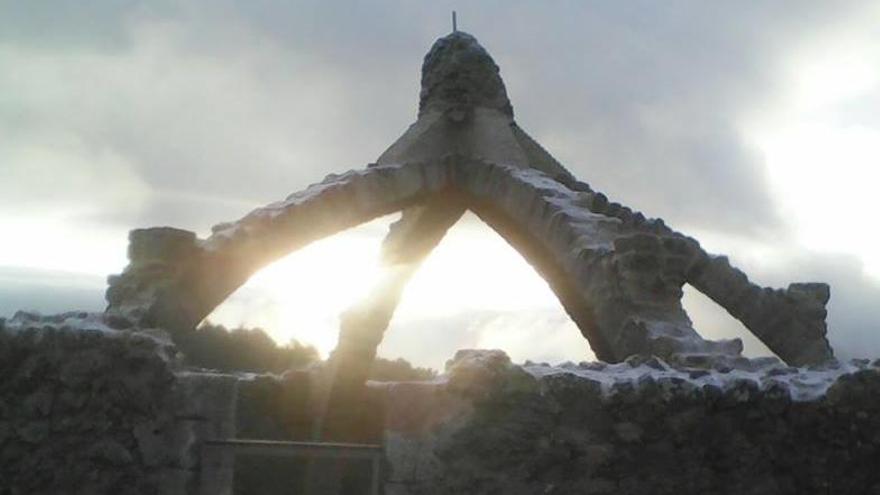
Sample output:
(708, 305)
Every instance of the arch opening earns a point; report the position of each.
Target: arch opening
(714, 322)
(301, 295)
(473, 291)
(619, 280)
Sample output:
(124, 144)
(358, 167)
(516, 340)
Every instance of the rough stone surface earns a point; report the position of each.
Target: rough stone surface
(85, 409)
(644, 426)
(98, 403)
(458, 74)
(73, 401)
(617, 274)
(145, 293)
(88, 409)
(621, 282)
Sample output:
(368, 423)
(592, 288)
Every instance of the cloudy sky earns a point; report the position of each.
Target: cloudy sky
(753, 127)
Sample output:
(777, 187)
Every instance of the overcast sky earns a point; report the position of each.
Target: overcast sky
(753, 127)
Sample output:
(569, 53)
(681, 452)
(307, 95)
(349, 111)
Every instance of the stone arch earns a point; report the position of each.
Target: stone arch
(617, 274)
(620, 280)
(479, 282)
(589, 259)
(174, 280)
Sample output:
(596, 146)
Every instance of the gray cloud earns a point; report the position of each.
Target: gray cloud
(66, 24)
(190, 113)
(642, 101)
(48, 291)
(255, 100)
(852, 311)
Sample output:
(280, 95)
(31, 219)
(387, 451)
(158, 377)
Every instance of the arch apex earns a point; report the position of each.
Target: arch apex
(458, 74)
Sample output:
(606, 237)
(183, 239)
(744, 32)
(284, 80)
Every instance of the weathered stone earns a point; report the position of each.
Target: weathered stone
(618, 275)
(109, 451)
(458, 75)
(152, 446)
(38, 404)
(33, 431)
(72, 427)
(739, 438)
(474, 373)
(628, 432)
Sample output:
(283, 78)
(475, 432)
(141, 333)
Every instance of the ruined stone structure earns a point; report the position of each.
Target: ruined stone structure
(103, 403)
(618, 274)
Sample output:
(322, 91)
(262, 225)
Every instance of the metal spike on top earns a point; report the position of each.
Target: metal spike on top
(454, 23)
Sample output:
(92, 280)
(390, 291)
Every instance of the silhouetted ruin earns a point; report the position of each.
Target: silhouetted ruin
(663, 411)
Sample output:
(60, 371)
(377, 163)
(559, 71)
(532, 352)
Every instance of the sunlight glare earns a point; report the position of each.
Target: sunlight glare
(473, 280)
(302, 295)
(34, 242)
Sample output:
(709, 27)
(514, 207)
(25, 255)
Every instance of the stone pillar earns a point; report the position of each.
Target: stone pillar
(148, 292)
(362, 327)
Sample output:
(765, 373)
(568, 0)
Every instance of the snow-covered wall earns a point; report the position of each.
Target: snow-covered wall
(87, 409)
(639, 427)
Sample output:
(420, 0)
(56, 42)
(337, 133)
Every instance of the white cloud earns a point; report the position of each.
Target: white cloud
(821, 152)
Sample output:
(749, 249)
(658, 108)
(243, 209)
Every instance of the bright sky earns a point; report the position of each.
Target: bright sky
(822, 163)
(754, 130)
(474, 273)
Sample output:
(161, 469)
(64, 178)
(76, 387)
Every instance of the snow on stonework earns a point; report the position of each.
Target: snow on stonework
(69, 321)
(83, 322)
(802, 384)
(474, 368)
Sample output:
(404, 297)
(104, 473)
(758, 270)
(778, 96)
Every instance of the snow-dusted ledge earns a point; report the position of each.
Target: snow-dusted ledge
(724, 426)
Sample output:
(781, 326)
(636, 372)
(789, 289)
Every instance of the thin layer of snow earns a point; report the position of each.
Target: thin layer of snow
(272, 210)
(80, 321)
(555, 193)
(802, 384)
(728, 374)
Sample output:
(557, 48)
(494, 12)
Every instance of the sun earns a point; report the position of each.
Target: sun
(473, 279)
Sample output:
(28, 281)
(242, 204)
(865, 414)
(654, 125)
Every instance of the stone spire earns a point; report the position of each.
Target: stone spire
(458, 74)
(464, 110)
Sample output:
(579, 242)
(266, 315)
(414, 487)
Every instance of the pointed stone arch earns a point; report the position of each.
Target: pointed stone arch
(617, 274)
(472, 288)
(619, 280)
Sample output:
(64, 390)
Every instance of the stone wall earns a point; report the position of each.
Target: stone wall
(644, 426)
(88, 410)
